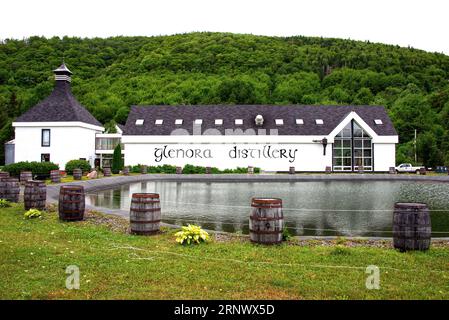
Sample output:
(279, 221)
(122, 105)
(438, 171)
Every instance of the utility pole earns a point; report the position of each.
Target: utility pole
(414, 143)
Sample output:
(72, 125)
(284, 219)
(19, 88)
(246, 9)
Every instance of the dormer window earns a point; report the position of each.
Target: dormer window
(319, 121)
(199, 121)
(178, 121)
(279, 122)
(159, 122)
(218, 122)
(139, 122)
(378, 121)
(238, 122)
(299, 121)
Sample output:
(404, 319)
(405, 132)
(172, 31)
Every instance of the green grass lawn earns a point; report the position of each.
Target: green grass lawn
(34, 255)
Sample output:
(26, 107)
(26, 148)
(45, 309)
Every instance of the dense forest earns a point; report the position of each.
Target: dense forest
(112, 74)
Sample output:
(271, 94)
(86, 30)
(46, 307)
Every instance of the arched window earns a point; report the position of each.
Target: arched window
(352, 149)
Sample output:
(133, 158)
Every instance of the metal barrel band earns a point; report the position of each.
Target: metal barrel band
(144, 221)
(71, 211)
(145, 210)
(72, 193)
(72, 201)
(151, 201)
(265, 232)
(266, 219)
(146, 195)
(266, 207)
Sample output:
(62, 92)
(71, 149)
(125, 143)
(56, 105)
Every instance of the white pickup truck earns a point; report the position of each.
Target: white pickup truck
(407, 167)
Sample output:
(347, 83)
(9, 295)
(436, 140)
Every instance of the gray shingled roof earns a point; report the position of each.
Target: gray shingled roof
(60, 105)
(331, 116)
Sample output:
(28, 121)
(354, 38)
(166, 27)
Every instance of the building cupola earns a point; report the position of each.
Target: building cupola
(63, 73)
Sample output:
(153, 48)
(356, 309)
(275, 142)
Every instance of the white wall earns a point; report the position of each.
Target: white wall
(308, 157)
(384, 156)
(66, 143)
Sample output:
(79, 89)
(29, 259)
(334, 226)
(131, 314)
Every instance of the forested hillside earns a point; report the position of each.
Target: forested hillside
(207, 68)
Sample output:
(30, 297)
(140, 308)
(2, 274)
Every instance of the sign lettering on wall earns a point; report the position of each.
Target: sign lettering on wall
(235, 152)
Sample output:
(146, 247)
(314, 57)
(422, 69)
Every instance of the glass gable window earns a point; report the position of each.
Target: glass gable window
(45, 138)
(352, 149)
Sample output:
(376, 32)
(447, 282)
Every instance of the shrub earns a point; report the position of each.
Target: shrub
(191, 234)
(35, 167)
(286, 235)
(189, 169)
(4, 203)
(84, 165)
(32, 213)
(117, 162)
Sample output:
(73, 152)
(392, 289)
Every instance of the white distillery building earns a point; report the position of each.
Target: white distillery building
(271, 137)
(60, 129)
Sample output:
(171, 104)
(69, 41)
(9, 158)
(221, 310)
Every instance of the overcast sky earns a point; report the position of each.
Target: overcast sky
(422, 24)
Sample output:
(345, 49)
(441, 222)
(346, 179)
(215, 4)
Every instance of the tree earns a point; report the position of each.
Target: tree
(427, 150)
(117, 162)
(121, 115)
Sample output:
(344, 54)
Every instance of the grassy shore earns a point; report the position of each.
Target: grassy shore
(34, 255)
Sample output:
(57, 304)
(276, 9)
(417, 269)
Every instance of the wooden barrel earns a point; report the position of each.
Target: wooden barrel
(291, 170)
(143, 169)
(208, 170)
(77, 174)
(266, 221)
(55, 176)
(392, 170)
(328, 169)
(25, 176)
(9, 189)
(145, 213)
(250, 169)
(411, 226)
(4, 174)
(107, 172)
(422, 171)
(178, 170)
(35, 195)
(125, 171)
(71, 203)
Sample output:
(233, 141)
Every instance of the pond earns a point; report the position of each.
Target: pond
(324, 208)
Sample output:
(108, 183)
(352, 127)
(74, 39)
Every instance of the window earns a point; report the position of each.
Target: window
(378, 121)
(139, 122)
(106, 143)
(178, 121)
(319, 121)
(45, 142)
(352, 149)
(279, 122)
(45, 157)
(218, 122)
(199, 121)
(299, 121)
(158, 122)
(238, 122)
